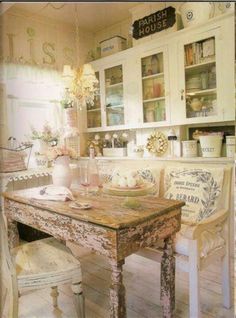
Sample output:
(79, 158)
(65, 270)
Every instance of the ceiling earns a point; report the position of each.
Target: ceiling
(90, 16)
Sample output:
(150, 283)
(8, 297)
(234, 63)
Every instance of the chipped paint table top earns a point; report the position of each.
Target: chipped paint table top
(109, 228)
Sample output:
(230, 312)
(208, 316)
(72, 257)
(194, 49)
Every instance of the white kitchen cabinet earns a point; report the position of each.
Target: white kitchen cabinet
(114, 96)
(94, 114)
(154, 87)
(205, 75)
(186, 77)
(110, 113)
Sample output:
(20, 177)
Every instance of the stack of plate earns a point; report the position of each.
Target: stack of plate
(193, 83)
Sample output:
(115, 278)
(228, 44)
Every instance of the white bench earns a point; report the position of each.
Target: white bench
(198, 245)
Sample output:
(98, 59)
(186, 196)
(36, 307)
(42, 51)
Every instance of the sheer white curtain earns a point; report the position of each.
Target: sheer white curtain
(32, 97)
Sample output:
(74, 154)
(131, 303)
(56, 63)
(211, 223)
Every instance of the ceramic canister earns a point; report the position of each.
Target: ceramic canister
(211, 145)
(189, 148)
(193, 13)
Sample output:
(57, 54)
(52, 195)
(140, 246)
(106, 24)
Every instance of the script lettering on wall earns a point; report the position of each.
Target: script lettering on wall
(31, 33)
(154, 22)
(68, 55)
(31, 47)
(46, 49)
(11, 45)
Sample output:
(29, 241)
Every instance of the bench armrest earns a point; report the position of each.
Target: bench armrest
(194, 232)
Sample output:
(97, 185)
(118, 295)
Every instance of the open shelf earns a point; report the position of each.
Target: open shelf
(114, 85)
(153, 76)
(200, 67)
(94, 110)
(203, 92)
(115, 106)
(153, 99)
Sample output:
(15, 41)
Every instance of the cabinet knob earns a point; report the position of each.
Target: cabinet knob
(182, 94)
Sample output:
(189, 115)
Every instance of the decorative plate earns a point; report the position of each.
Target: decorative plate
(157, 143)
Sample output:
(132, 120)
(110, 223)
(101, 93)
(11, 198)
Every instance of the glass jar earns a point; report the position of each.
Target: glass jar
(230, 146)
(148, 92)
(212, 78)
(154, 64)
(189, 148)
(150, 115)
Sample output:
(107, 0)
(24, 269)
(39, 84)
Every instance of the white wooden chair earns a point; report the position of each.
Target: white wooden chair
(192, 254)
(36, 265)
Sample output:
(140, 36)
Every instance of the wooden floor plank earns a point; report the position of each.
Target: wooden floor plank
(142, 281)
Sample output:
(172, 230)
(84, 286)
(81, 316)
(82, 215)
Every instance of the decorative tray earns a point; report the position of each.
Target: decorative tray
(128, 192)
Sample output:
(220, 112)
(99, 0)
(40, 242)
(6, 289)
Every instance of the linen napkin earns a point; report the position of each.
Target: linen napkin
(52, 193)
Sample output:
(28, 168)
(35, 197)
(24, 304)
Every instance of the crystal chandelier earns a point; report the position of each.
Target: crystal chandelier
(85, 85)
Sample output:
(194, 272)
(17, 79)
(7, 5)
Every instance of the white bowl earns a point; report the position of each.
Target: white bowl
(193, 13)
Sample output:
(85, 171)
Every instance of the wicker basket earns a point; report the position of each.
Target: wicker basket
(12, 160)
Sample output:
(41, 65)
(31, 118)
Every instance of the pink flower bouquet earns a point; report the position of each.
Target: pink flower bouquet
(47, 134)
(56, 152)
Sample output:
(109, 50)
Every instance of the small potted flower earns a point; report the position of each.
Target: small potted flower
(61, 175)
(107, 141)
(115, 141)
(138, 151)
(43, 138)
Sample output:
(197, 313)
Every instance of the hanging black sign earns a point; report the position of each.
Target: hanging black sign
(154, 22)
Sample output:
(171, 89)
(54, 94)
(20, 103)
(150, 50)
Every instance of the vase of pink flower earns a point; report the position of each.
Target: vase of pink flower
(62, 175)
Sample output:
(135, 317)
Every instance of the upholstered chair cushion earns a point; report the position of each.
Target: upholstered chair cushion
(209, 241)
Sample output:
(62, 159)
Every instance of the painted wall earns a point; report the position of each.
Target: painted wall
(34, 50)
(46, 42)
(30, 38)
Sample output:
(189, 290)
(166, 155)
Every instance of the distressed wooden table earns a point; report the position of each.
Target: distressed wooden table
(110, 229)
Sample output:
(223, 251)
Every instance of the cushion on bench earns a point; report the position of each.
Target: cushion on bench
(200, 188)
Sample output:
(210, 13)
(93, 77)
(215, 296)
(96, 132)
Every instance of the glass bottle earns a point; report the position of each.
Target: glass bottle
(171, 140)
(154, 64)
(93, 170)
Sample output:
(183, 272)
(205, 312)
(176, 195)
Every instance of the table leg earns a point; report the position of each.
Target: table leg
(168, 279)
(13, 235)
(117, 291)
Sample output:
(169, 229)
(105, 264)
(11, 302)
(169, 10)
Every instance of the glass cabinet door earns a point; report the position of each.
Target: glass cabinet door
(153, 85)
(114, 96)
(94, 111)
(200, 78)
